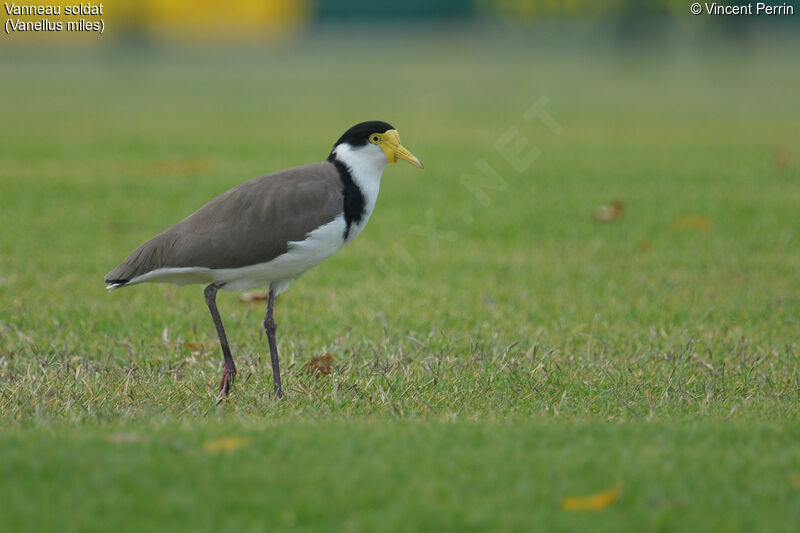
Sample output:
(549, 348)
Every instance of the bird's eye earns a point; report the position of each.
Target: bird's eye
(375, 138)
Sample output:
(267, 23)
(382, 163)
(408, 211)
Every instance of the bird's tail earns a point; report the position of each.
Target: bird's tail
(112, 284)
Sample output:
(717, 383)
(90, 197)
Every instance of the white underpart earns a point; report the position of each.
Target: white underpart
(366, 166)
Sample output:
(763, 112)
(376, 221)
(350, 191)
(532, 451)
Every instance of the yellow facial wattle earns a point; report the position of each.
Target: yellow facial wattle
(389, 141)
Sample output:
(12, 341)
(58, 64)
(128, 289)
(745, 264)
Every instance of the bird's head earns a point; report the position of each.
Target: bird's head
(373, 142)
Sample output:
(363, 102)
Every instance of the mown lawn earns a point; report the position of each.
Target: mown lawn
(400, 475)
(497, 349)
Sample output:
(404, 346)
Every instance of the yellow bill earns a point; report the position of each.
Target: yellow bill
(389, 141)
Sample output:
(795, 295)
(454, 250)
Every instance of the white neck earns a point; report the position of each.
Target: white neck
(366, 165)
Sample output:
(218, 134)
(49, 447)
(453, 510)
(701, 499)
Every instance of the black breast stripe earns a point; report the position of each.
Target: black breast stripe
(353, 197)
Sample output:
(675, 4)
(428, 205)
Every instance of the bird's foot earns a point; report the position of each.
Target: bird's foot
(225, 383)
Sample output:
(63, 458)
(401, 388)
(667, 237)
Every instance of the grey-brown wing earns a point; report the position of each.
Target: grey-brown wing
(250, 224)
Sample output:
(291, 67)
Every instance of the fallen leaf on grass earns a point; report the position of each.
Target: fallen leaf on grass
(194, 346)
(696, 222)
(796, 480)
(225, 444)
(783, 157)
(253, 296)
(320, 365)
(595, 502)
(609, 212)
(183, 165)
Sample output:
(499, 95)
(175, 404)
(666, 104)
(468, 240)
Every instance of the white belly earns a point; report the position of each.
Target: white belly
(281, 271)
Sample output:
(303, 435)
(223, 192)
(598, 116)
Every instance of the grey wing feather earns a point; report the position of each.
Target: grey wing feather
(250, 224)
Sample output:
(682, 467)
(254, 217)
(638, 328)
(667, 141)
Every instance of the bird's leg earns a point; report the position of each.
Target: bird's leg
(271, 327)
(228, 368)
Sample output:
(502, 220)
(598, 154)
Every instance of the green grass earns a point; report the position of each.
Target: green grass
(495, 353)
(395, 475)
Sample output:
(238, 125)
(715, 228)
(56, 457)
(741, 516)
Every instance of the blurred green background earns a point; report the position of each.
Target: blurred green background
(591, 289)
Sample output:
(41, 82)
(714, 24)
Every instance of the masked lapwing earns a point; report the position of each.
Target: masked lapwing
(270, 230)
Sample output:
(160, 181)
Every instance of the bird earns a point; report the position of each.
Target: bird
(269, 231)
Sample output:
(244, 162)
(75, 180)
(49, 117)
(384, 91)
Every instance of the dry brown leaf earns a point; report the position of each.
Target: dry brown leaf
(253, 296)
(595, 502)
(695, 222)
(609, 212)
(193, 346)
(320, 365)
(183, 165)
(783, 157)
(225, 444)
